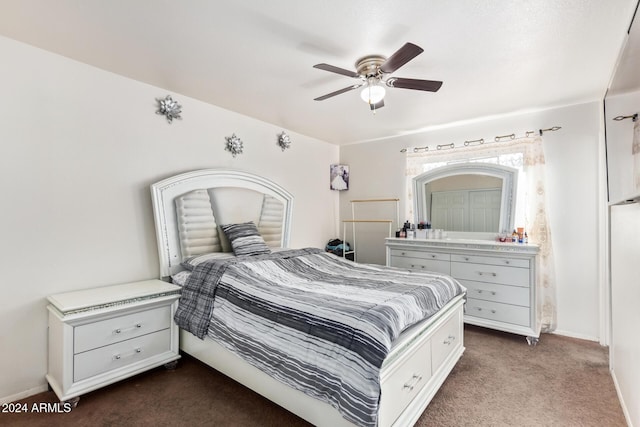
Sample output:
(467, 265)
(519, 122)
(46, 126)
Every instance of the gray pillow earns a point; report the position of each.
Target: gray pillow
(245, 239)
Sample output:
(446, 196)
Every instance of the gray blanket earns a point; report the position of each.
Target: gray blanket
(320, 324)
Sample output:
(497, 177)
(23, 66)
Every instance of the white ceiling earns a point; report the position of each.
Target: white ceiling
(256, 57)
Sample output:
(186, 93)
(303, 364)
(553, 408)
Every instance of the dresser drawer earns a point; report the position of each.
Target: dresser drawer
(447, 338)
(120, 354)
(478, 259)
(407, 380)
(491, 273)
(437, 266)
(516, 295)
(420, 254)
(109, 331)
(506, 313)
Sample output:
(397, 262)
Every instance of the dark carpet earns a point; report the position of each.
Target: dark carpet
(499, 381)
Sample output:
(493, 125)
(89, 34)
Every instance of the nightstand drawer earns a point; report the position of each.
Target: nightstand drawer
(121, 354)
(116, 329)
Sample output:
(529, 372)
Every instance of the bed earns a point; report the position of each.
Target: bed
(189, 211)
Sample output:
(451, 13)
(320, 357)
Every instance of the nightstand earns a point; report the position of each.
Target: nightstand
(103, 335)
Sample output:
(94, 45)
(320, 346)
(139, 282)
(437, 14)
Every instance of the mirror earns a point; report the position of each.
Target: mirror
(622, 113)
(468, 197)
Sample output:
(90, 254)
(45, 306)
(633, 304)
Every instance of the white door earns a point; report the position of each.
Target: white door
(466, 210)
(484, 210)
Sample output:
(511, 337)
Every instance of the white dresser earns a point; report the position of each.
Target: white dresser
(103, 335)
(500, 278)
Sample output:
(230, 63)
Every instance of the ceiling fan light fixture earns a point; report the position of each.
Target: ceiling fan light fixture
(372, 93)
(372, 69)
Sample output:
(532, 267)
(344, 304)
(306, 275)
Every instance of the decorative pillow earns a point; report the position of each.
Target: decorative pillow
(192, 262)
(245, 239)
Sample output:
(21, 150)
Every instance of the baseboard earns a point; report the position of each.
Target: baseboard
(23, 394)
(575, 335)
(625, 411)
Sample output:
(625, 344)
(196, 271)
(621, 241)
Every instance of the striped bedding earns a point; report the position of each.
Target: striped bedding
(310, 319)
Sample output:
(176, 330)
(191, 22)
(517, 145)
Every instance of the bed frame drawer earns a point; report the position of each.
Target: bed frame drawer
(407, 380)
(117, 329)
(444, 341)
(114, 356)
(499, 312)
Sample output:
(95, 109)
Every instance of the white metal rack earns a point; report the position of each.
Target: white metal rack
(353, 221)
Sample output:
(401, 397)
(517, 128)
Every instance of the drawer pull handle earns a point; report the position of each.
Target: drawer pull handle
(466, 258)
(450, 339)
(433, 256)
(131, 328)
(493, 292)
(493, 311)
(402, 253)
(422, 266)
(410, 385)
(487, 273)
(133, 353)
(507, 262)
(478, 308)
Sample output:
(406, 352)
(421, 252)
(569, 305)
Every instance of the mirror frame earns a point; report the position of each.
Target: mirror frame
(509, 178)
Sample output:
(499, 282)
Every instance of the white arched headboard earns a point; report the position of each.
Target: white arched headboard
(165, 193)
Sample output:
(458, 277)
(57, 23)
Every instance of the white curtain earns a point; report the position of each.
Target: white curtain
(527, 155)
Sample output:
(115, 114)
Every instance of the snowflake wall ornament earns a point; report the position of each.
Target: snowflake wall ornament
(234, 145)
(169, 108)
(284, 141)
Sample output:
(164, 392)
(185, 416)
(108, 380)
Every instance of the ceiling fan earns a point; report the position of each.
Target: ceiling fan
(372, 72)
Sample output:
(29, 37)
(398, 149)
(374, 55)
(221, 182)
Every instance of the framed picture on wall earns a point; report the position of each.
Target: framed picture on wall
(339, 177)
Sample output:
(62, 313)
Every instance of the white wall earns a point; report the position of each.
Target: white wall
(572, 154)
(625, 347)
(625, 253)
(79, 148)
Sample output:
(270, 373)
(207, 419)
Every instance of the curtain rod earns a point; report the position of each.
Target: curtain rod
(633, 117)
(481, 141)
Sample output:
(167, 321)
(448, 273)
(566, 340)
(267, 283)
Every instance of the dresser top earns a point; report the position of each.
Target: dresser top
(465, 244)
(96, 298)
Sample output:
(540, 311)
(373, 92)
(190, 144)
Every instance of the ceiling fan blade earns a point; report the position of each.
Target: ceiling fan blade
(337, 92)
(337, 70)
(377, 105)
(416, 84)
(403, 55)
